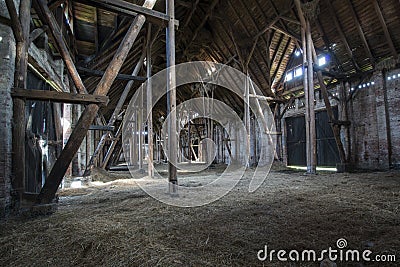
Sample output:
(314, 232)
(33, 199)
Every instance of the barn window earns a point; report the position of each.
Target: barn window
(298, 72)
(289, 76)
(322, 61)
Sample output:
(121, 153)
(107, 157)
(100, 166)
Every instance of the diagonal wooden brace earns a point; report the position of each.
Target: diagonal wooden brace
(78, 134)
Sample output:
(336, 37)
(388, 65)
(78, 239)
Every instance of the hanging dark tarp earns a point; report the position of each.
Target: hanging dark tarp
(39, 130)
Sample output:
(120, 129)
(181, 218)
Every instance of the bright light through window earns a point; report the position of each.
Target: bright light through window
(289, 76)
(321, 61)
(298, 72)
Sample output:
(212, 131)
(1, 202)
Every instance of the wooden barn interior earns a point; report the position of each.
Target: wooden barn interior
(93, 92)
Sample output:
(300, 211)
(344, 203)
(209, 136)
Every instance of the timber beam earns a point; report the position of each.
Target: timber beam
(61, 97)
(15, 22)
(130, 9)
(385, 29)
(5, 21)
(101, 128)
(100, 73)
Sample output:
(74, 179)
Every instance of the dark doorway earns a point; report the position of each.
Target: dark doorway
(327, 152)
(296, 141)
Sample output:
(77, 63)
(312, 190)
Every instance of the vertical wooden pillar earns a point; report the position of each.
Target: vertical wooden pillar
(308, 74)
(20, 79)
(278, 123)
(135, 140)
(344, 107)
(306, 95)
(149, 107)
(247, 114)
(171, 98)
(189, 141)
(140, 133)
(312, 166)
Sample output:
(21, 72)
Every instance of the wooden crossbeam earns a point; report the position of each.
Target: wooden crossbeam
(55, 3)
(60, 97)
(100, 73)
(101, 128)
(5, 21)
(36, 33)
(130, 9)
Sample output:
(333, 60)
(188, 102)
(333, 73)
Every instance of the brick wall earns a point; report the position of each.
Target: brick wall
(7, 63)
(372, 141)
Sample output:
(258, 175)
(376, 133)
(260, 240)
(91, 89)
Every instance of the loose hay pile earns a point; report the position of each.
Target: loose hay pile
(117, 224)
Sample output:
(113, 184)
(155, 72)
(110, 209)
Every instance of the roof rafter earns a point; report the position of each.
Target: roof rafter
(360, 32)
(281, 59)
(341, 33)
(204, 20)
(385, 29)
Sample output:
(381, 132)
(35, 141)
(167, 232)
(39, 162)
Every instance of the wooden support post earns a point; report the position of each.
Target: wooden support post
(278, 123)
(135, 142)
(57, 173)
(312, 168)
(149, 97)
(140, 132)
(20, 80)
(343, 105)
(189, 141)
(247, 113)
(171, 98)
(308, 83)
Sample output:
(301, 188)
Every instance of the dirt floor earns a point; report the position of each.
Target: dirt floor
(117, 224)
